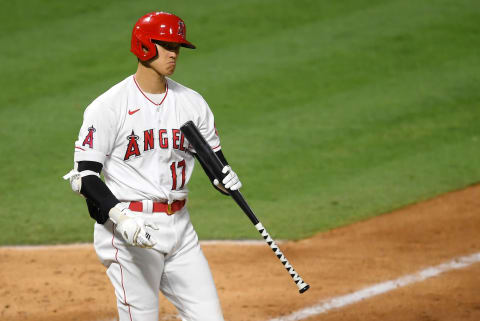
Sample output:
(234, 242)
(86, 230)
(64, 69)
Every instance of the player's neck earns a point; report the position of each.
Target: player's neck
(149, 80)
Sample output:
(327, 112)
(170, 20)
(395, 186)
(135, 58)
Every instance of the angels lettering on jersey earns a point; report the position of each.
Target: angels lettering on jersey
(154, 139)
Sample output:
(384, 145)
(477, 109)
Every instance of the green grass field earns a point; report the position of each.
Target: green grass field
(330, 111)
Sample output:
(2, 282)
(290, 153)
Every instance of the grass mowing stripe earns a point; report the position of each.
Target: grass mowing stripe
(329, 67)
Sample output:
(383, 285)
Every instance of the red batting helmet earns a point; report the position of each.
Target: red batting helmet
(161, 26)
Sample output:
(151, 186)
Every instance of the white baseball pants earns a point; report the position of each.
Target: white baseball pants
(176, 266)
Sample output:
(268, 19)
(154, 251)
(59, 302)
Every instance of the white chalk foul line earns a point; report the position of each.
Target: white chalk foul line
(380, 288)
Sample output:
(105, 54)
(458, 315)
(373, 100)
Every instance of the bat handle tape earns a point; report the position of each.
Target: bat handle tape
(302, 285)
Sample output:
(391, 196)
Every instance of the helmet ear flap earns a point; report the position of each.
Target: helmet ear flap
(142, 46)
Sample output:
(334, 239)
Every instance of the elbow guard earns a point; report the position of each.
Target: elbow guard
(75, 178)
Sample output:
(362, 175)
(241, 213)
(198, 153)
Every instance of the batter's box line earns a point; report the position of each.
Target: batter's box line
(380, 288)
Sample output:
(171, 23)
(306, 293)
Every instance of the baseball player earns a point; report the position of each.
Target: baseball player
(143, 233)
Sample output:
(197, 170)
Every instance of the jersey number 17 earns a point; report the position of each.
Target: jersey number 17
(173, 168)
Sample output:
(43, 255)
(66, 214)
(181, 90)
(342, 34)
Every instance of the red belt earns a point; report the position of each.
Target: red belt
(159, 207)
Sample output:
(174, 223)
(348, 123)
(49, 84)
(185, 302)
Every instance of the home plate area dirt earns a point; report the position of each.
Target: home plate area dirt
(68, 283)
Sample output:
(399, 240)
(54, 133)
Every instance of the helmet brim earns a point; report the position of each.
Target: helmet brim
(189, 45)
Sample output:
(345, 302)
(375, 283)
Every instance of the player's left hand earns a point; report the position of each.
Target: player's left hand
(231, 181)
(135, 230)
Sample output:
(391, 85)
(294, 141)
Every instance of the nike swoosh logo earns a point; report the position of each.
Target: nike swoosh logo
(131, 112)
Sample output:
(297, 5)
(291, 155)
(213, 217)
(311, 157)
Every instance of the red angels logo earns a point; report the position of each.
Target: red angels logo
(132, 148)
(89, 138)
(181, 28)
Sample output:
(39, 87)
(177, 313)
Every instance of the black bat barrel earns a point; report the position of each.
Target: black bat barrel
(214, 164)
(203, 149)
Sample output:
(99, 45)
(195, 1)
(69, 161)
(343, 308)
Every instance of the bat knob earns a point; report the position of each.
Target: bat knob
(304, 288)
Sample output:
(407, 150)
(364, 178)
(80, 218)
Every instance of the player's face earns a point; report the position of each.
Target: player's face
(166, 59)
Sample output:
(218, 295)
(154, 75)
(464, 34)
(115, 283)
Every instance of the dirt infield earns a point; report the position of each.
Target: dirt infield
(68, 283)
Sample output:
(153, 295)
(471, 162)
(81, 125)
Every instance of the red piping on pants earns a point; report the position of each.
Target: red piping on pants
(121, 273)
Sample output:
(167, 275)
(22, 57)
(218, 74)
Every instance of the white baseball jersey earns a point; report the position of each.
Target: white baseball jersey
(139, 142)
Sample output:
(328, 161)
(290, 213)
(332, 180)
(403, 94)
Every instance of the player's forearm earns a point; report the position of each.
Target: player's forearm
(95, 189)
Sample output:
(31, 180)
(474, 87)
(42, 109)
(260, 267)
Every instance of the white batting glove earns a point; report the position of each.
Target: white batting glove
(133, 229)
(231, 181)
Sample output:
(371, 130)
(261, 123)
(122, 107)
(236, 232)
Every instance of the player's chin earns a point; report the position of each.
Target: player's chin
(168, 72)
(170, 69)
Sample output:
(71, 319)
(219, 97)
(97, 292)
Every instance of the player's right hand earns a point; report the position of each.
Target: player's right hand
(133, 229)
(231, 181)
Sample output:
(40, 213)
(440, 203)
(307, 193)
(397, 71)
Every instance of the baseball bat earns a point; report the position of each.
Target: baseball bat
(213, 163)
